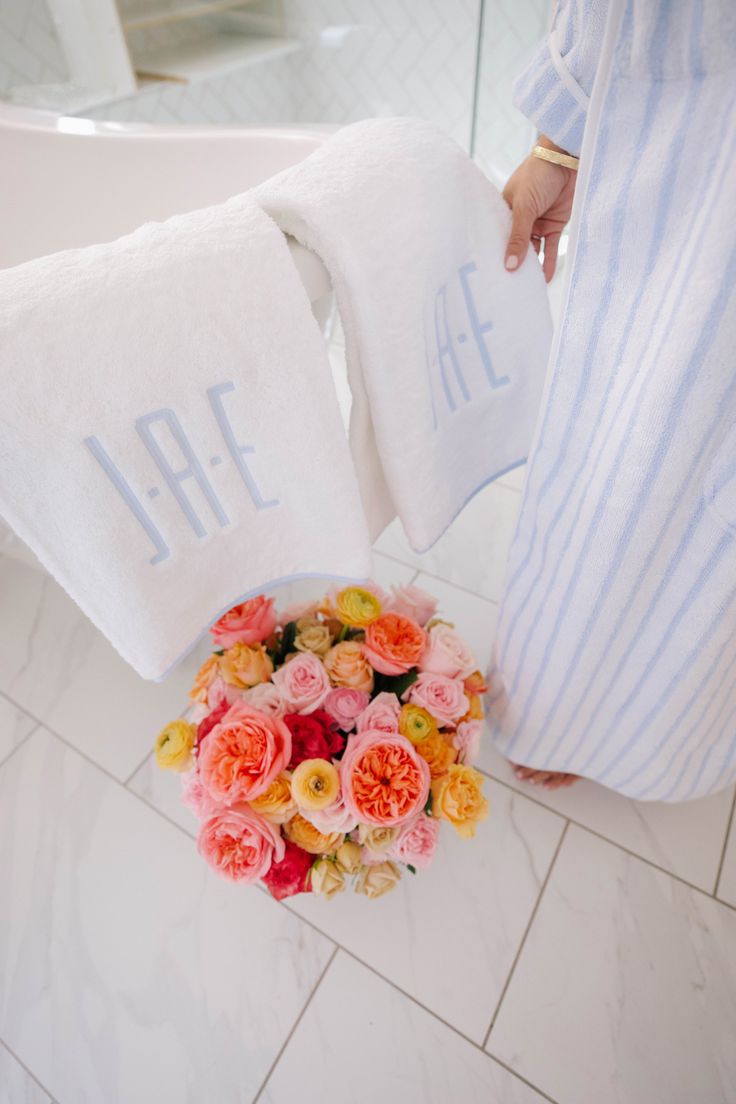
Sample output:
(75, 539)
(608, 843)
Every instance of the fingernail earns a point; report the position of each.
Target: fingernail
(512, 262)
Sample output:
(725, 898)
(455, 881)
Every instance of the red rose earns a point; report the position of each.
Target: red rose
(213, 718)
(291, 875)
(313, 736)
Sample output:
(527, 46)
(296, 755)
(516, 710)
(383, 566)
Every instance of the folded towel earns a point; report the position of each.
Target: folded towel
(446, 351)
(170, 437)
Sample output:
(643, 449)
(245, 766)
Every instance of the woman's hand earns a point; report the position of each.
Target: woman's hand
(540, 196)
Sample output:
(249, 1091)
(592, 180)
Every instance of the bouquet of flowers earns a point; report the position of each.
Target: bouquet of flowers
(331, 741)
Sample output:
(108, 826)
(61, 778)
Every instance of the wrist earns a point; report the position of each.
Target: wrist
(547, 143)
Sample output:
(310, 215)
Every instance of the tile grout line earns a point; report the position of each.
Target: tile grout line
(487, 774)
(524, 937)
(440, 578)
(30, 1072)
(724, 849)
(296, 1023)
(606, 839)
(19, 745)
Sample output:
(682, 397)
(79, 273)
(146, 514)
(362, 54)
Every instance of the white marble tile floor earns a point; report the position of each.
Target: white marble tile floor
(582, 950)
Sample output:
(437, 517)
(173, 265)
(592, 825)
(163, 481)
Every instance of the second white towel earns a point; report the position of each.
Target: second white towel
(446, 350)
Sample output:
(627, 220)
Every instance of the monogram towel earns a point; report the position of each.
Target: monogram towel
(446, 351)
(170, 437)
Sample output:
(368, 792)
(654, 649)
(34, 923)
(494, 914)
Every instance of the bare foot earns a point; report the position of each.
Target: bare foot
(550, 780)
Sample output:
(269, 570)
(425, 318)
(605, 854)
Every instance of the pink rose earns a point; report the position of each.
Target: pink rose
(382, 714)
(443, 697)
(384, 781)
(243, 754)
(266, 697)
(196, 797)
(416, 842)
(345, 705)
(467, 741)
(335, 818)
(447, 654)
(303, 683)
(249, 623)
(239, 844)
(412, 602)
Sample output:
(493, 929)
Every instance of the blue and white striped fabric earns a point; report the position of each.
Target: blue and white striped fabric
(616, 650)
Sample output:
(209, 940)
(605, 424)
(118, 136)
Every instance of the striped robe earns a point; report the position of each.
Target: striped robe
(615, 656)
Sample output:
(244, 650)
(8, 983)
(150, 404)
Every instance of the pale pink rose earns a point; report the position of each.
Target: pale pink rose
(467, 741)
(220, 692)
(447, 654)
(251, 622)
(195, 796)
(416, 842)
(335, 818)
(296, 611)
(344, 705)
(243, 754)
(384, 781)
(239, 844)
(412, 602)
(303, 683)
(382, 714)
(444, 698)
(266, 697)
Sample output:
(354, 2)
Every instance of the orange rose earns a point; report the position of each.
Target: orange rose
(458, 798)
(394, 644)
(347, 666)
(437, 753)
(206, 674)
(309, 838)
(246, 665)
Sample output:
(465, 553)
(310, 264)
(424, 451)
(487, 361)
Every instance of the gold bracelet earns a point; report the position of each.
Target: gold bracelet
(565, 159)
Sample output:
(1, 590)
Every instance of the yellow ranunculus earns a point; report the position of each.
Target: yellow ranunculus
(357, 607)
(327, 878)
(457, 797)
(377, 879)
(276, 803)
(245, 665)
(309, 838)
(348, 856)
(416, 723)
(315, 784)
(174, 745)
(437, 753)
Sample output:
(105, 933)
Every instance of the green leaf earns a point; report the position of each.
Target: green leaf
(342, 634)
(428, 806)
(395, 684)
(287, 641)
(412, 868)
(219, 651)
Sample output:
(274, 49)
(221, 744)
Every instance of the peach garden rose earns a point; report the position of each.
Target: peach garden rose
(394, 644)
(242, 754)
(347, 666)
(384, 781)
(239, 844)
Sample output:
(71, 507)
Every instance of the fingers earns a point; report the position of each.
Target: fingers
(551, 246)
(521, 230)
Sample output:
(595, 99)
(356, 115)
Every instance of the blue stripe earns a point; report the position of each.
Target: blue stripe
(612, 269)
(663, 209)
(698, 694)
(703, 344)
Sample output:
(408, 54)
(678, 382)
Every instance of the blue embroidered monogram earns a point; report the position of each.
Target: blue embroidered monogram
(450, 326)
(192, 470)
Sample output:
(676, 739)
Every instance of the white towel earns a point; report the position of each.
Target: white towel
(446, 350)
(170, 437)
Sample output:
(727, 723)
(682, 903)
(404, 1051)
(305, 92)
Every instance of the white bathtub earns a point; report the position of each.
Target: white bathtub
(69, 182)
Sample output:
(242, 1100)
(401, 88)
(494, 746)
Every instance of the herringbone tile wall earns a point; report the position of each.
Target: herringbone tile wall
(359, 58)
